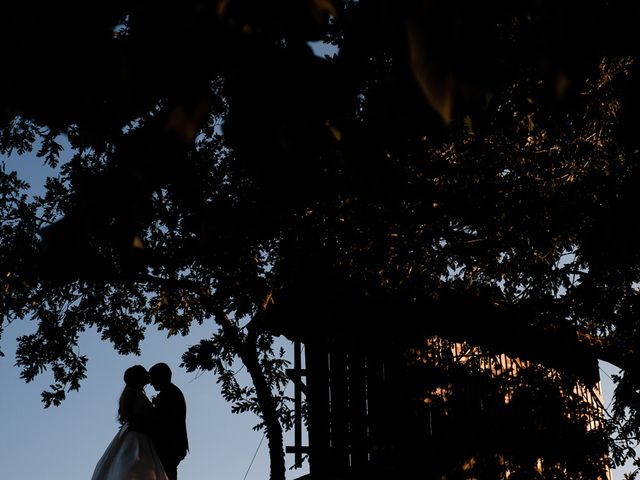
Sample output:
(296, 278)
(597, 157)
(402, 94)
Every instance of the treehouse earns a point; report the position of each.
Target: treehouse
(443, 411)
(385, 399)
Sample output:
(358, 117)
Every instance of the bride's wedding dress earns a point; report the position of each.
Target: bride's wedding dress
(131, 454)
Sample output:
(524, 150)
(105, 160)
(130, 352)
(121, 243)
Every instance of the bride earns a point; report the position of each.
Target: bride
(131, 454)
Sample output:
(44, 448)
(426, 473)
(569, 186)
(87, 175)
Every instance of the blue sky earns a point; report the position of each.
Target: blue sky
(64, 443)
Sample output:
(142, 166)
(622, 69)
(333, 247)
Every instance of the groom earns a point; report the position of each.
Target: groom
(170, 429)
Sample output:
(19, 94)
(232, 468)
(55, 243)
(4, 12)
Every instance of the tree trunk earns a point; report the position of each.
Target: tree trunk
(268, 407)
(247, 351)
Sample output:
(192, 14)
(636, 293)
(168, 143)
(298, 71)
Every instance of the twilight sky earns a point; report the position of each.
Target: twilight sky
(64, 443)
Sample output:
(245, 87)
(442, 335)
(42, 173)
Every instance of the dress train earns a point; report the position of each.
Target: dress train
(130, 456)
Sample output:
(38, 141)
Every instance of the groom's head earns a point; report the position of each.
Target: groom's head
(160, 375)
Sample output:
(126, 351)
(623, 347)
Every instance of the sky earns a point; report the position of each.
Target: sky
(65, 442)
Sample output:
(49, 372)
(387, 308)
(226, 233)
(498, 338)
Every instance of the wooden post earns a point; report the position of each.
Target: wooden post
(316, 358)
(338, 412)
(358, 413)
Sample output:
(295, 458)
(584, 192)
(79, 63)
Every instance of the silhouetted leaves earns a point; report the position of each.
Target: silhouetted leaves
(454, 169)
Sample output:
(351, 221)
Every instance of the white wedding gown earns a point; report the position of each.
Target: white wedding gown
(130, 456)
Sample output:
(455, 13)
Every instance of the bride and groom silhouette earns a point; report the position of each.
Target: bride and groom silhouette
(153, 438)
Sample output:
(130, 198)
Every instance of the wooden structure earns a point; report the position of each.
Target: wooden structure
(439, 410)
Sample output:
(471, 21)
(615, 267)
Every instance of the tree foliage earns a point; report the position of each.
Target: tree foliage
(469, 167)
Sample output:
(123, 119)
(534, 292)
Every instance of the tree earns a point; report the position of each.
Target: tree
(470, 166)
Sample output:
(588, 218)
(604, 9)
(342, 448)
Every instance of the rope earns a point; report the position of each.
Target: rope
(606, 409)
(254, 457)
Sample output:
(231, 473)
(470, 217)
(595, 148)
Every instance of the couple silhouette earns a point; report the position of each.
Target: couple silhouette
(153, 437)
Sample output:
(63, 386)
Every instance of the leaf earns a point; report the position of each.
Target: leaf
(321, 10)
(434, 79)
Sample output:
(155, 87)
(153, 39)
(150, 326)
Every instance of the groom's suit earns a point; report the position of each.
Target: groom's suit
(170, 431)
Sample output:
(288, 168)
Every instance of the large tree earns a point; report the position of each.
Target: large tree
(470, 167)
